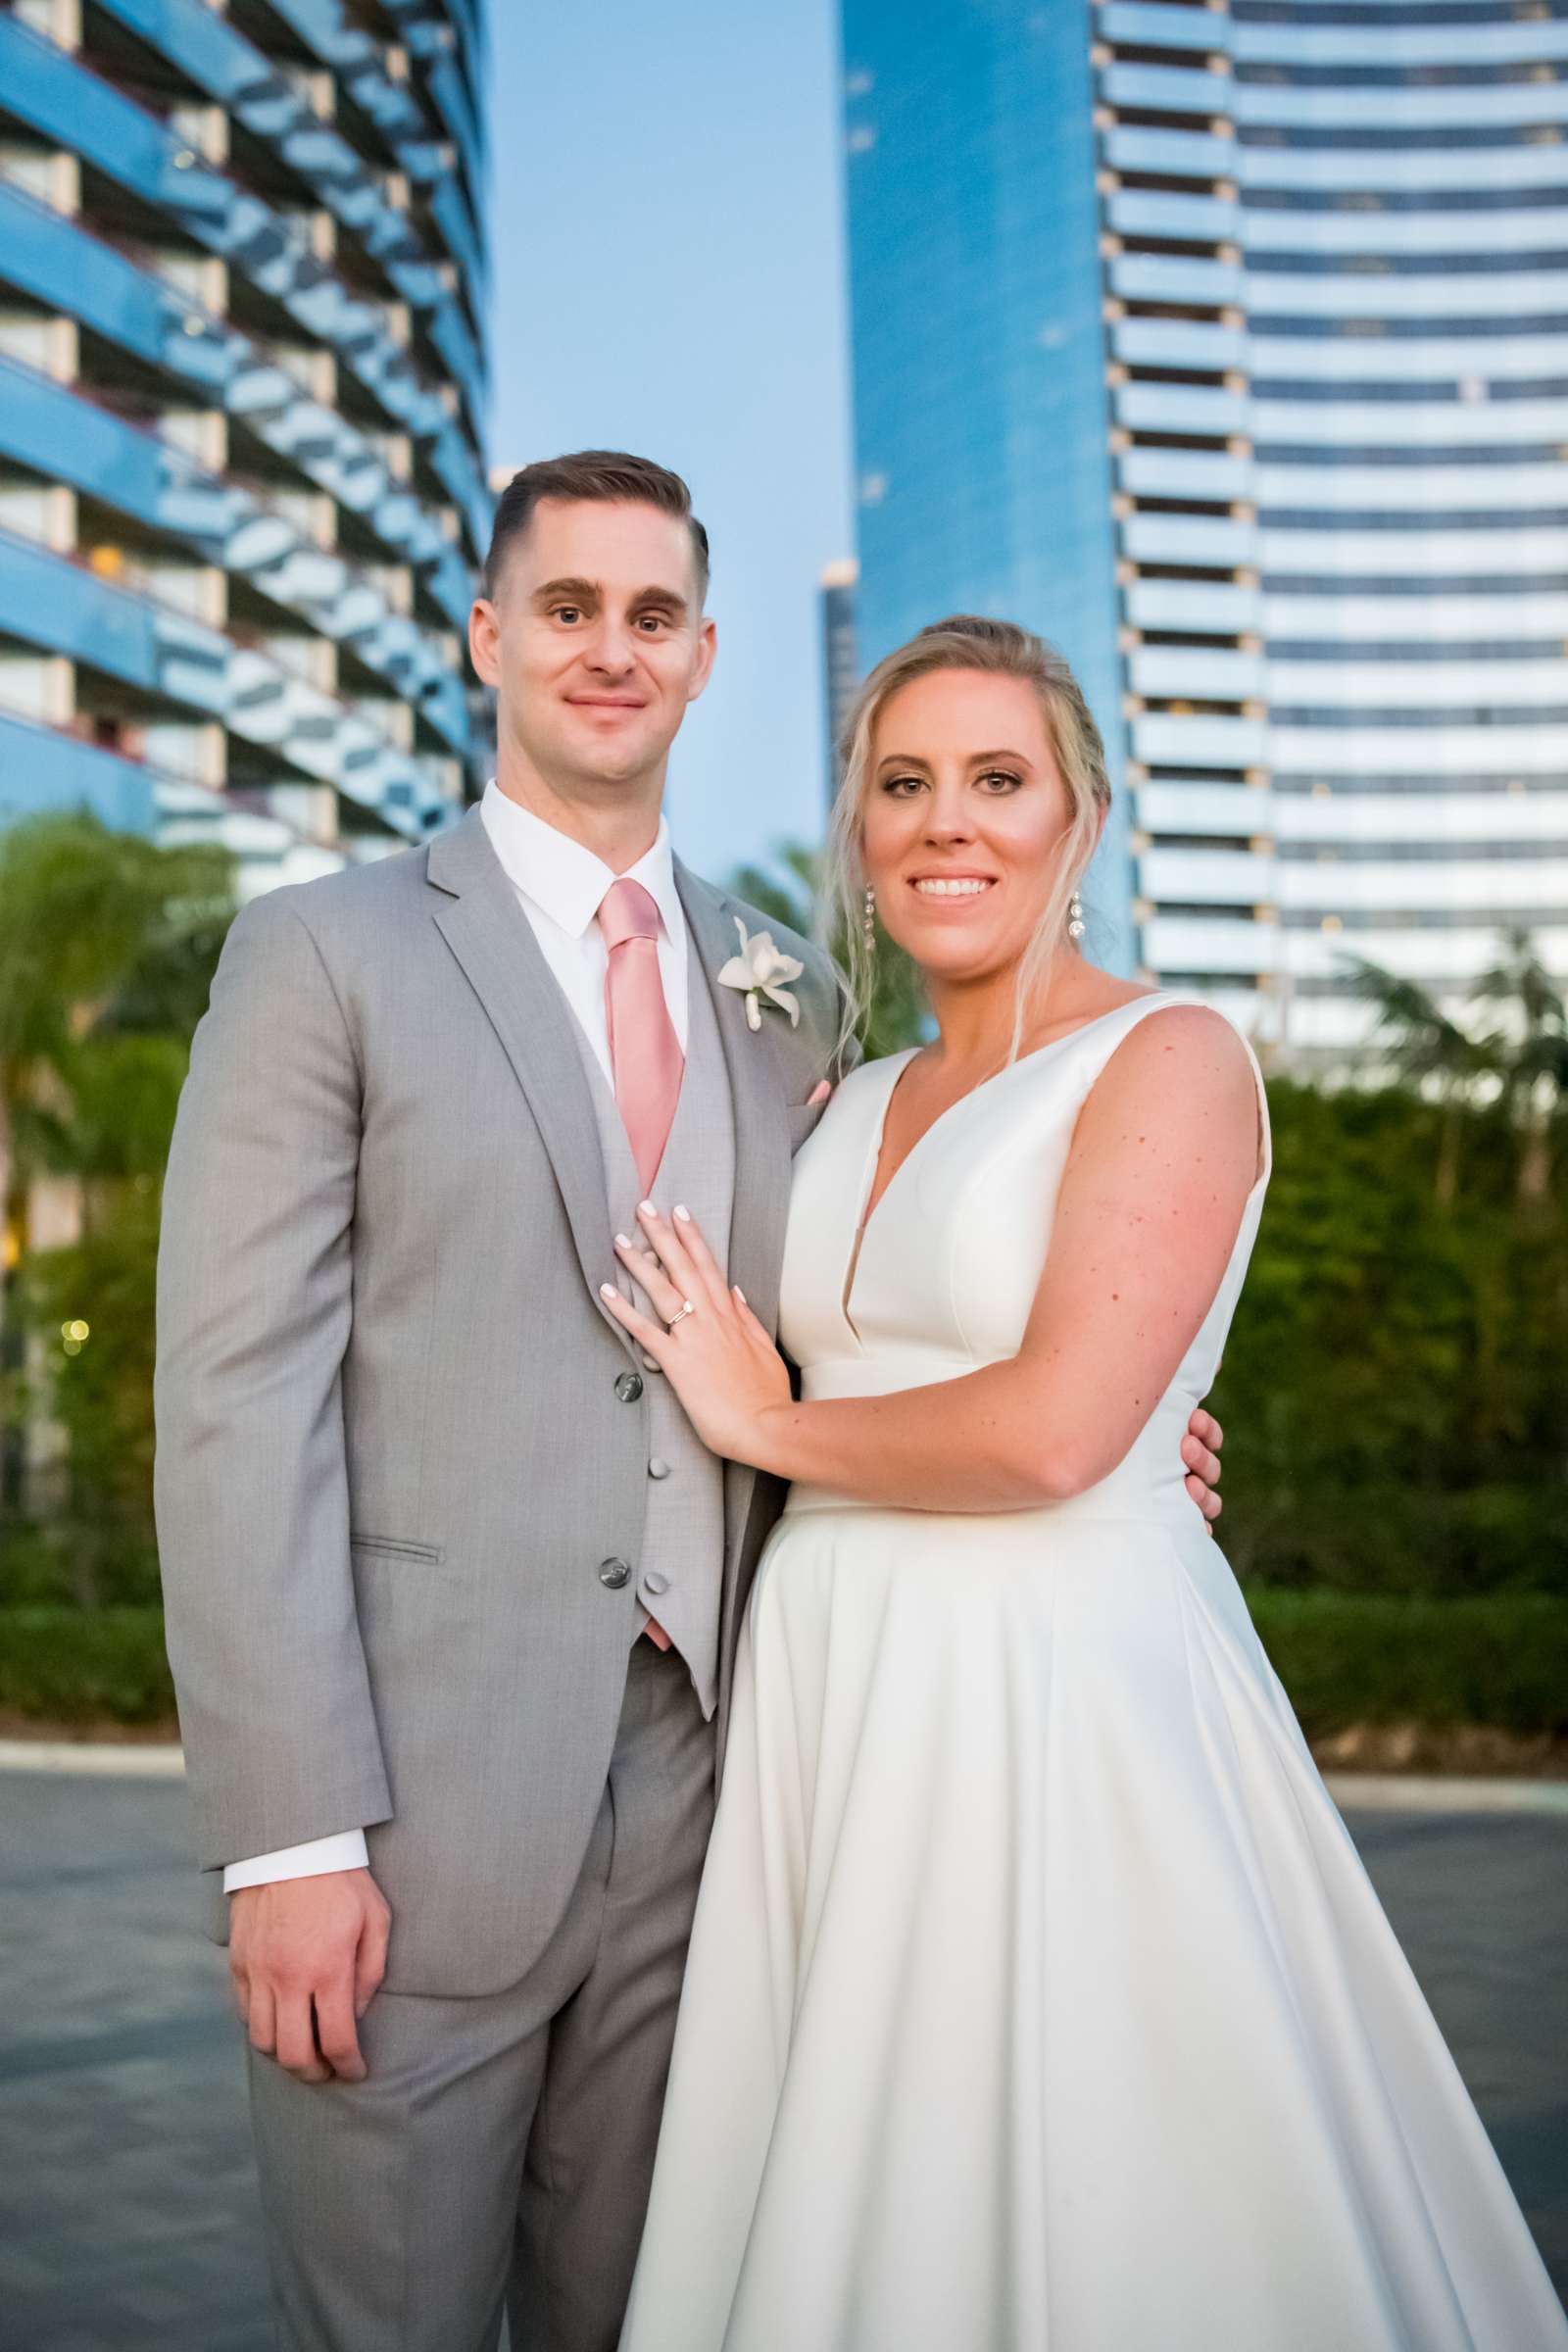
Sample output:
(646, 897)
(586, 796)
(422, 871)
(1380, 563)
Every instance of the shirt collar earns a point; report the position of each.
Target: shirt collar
(565, 881)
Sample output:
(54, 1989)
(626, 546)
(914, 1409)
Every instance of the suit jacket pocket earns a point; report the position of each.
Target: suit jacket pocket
(397, 1547)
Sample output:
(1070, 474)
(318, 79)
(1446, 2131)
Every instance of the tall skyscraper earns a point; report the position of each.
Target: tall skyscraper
(1310, 375)
(840, 669)
(978, 355)
(241, 393)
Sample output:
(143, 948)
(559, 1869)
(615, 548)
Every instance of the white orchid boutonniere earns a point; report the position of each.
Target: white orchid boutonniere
(759, 969)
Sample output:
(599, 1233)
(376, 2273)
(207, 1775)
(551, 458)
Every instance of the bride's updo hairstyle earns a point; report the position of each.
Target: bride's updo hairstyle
(1000, 649)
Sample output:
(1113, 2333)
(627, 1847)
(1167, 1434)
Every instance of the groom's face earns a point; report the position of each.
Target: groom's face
(596, 641)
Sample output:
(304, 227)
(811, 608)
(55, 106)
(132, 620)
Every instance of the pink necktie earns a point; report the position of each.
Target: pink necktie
(644, 1051)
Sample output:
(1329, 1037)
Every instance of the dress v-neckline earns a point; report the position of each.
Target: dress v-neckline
(870, 1202)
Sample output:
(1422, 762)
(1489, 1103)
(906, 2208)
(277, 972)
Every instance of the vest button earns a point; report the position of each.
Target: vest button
(659, 1467)
(629, 1387)
(656, 1581)
(613, 1574)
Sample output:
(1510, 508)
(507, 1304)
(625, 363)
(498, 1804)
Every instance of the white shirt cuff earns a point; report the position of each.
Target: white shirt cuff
(345, 1850)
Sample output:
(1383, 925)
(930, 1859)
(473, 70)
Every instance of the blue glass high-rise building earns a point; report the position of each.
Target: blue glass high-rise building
(1228, 345)
(978, 365)
(241, 395)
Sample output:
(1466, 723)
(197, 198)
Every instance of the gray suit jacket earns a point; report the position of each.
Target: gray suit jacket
(397, 1455)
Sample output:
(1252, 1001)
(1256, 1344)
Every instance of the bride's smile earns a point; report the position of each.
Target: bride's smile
(965, 822)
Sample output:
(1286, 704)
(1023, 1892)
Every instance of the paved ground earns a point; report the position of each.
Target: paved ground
(127, 2203)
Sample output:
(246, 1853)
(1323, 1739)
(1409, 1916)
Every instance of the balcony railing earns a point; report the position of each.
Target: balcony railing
(80, 439)
(238, 78)
(43, 770)
(85, 276)
(59, 605)
(54, 94)
(325, 29)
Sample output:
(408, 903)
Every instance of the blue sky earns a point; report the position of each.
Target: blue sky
(667, 250)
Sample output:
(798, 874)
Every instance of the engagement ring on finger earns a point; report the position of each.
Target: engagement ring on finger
(686, 1308)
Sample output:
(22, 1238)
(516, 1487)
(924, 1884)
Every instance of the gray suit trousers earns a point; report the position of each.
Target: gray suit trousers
(501, 2149)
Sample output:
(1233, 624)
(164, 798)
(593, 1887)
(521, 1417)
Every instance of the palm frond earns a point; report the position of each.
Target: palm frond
(1520, 978)
(1422, 1040)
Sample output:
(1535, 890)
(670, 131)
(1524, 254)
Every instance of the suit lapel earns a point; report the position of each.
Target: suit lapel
(757, 1090)
(493, 942)
(757, 1083)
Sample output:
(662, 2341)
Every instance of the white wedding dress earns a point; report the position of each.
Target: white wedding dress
(1038, 2000)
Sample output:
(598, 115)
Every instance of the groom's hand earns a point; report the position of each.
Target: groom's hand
(305, 1957)
(1201, 1454)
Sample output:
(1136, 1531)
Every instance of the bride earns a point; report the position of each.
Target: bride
(1036, 1999)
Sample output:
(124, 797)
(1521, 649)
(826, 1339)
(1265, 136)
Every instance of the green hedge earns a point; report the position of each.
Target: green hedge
(1493, 1658)
(85, 1665)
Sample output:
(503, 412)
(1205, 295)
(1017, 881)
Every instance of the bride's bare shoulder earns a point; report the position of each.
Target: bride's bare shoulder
(1184, 1045)
(1181, 1074)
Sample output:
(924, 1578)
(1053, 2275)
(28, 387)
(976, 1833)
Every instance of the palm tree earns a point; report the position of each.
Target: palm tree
(1523, 1056)
(1427, 1049)
(103, 936)
(107, 950)
(1529, 1051)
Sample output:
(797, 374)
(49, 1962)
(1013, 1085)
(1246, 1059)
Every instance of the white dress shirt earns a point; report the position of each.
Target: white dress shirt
(560, 886)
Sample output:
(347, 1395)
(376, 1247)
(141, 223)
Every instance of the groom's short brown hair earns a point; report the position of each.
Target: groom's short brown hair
(609, 474)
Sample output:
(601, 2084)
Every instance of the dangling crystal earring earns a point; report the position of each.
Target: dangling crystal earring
(868, 932)
(1075, 916)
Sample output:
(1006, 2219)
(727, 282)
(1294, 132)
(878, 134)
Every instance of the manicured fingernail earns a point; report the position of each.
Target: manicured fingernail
(623, 1241)
(740, 1294)
(645, 1209)
(608, 1289)
(684, 1215)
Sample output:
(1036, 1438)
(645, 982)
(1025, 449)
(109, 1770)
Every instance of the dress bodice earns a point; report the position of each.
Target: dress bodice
(941, 1277)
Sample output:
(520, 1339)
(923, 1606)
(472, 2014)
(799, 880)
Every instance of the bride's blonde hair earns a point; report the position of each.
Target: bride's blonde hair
(1000, 649)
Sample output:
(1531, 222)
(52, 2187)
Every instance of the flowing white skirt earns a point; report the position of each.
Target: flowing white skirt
(1038, 2000)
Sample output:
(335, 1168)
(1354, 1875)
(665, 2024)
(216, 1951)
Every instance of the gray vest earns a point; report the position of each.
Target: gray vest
(681, 1565)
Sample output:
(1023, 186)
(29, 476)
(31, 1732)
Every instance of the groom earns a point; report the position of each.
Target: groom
(453, 1591)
